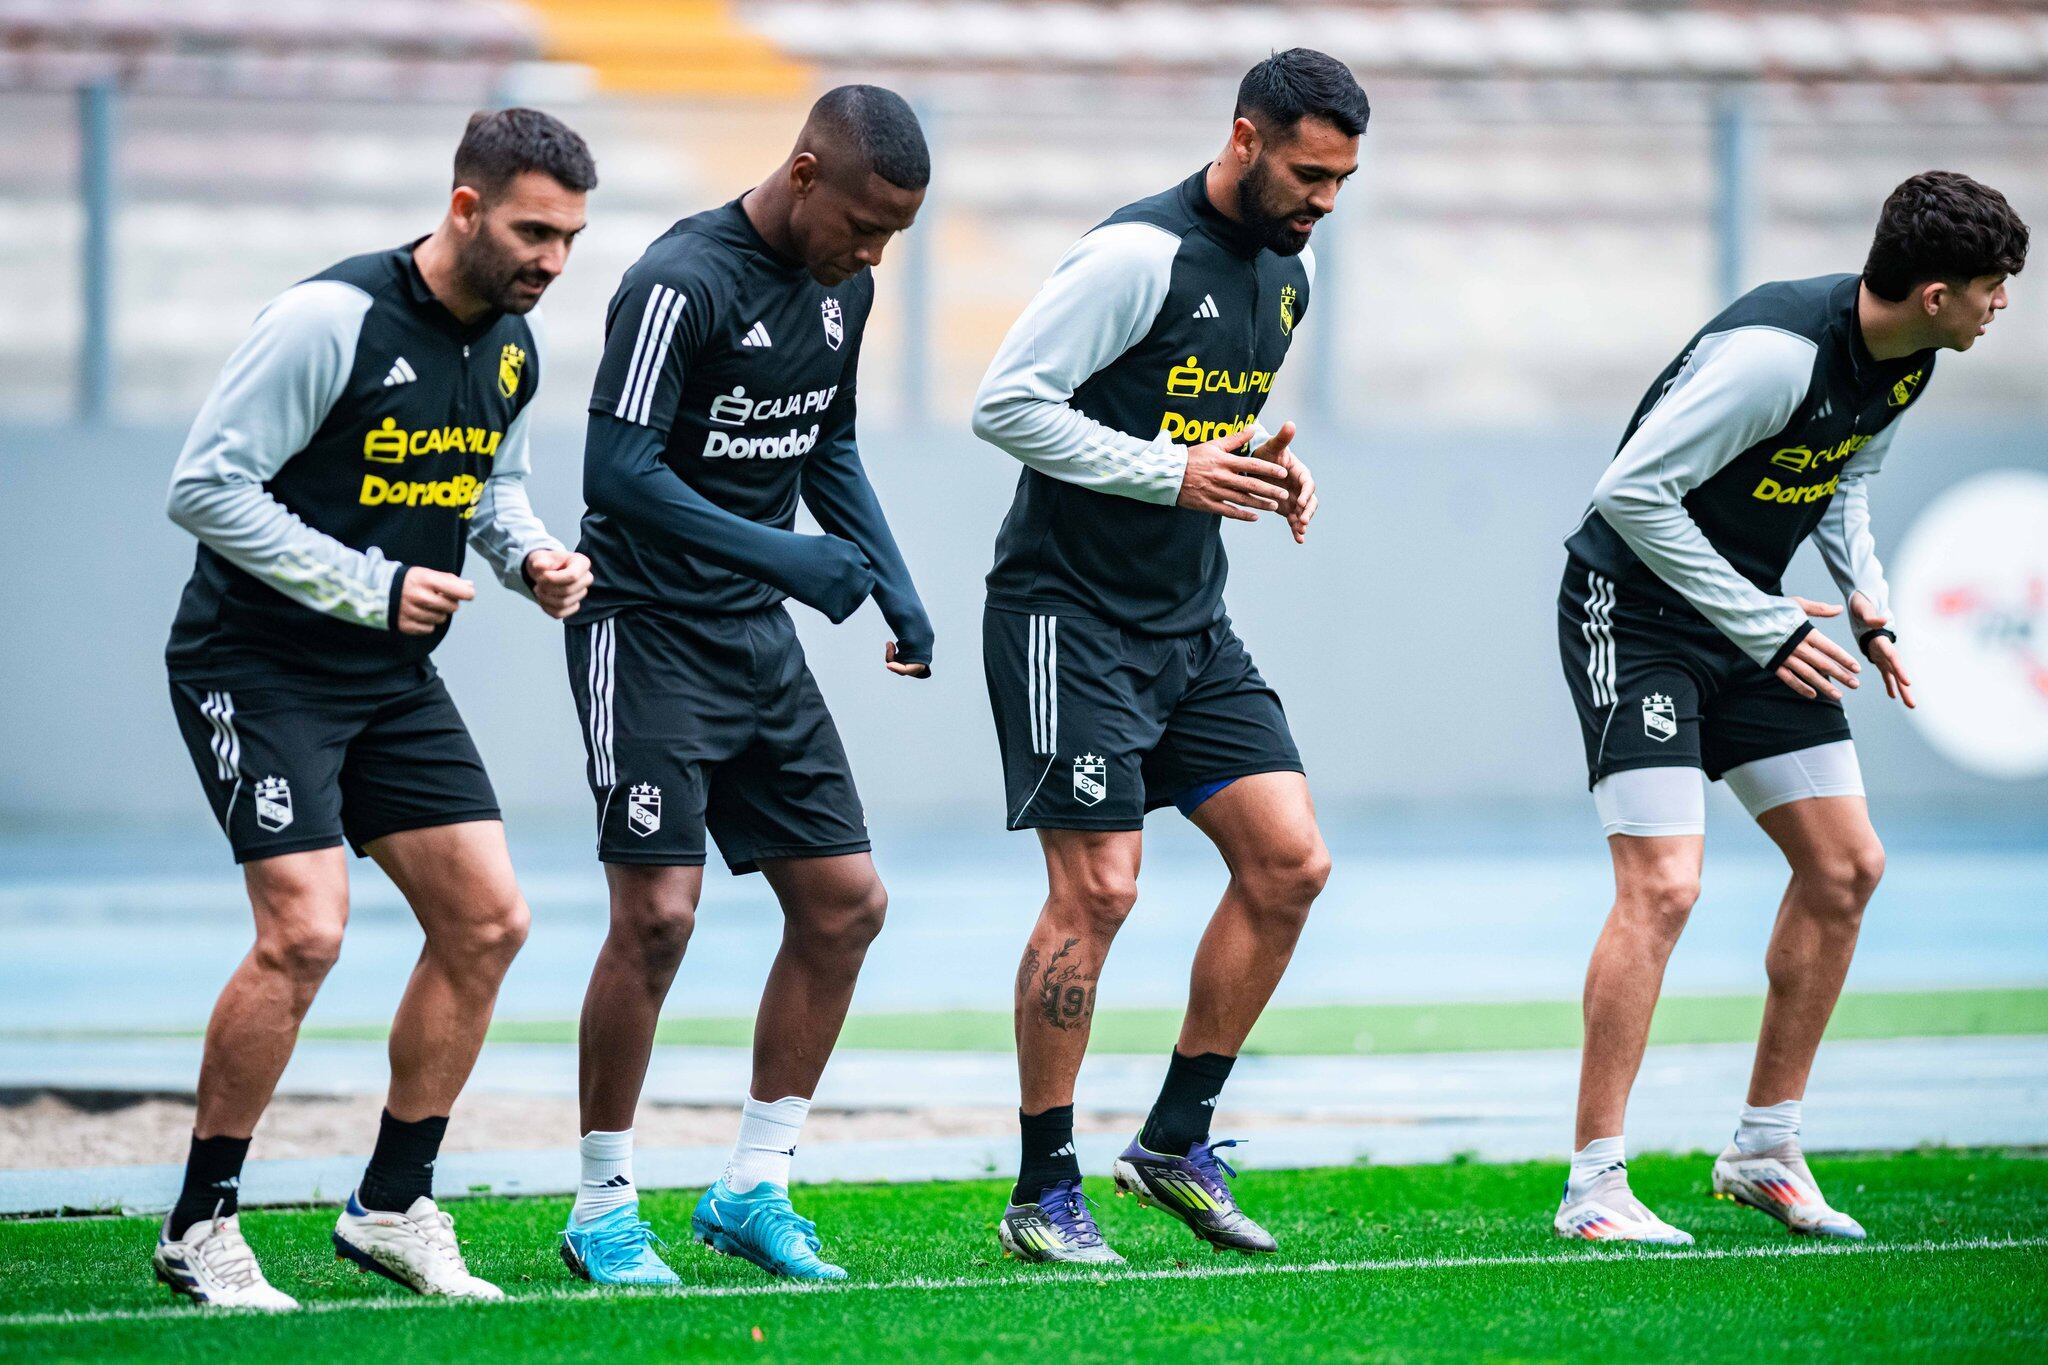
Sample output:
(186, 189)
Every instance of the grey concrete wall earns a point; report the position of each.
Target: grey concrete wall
(1413, 638)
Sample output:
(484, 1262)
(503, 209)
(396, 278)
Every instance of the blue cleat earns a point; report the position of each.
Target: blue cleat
(616, 1249)
(760, 1226)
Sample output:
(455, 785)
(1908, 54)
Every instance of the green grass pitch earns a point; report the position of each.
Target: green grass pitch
(1384, 1263)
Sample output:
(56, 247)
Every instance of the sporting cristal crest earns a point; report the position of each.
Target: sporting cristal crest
(1660, 717)
(511, 361)
(273, 804)
(1089, 784)
(1287, 297)
(835, 326)
(643, 809)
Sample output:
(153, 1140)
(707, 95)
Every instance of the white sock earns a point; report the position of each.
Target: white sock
(1765, 1126)
(1591, 1162)
(768, 1133)
(607, 1182)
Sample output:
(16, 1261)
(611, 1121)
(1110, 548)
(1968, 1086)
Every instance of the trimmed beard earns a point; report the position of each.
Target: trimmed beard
(1272, 231)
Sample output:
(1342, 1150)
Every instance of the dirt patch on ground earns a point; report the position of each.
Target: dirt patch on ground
(46, 1129)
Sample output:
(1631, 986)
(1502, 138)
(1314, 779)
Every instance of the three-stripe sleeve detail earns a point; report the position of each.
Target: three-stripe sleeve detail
(650, 351)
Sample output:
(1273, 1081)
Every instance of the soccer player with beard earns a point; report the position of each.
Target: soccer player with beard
(1130, 390)
(371, 426)
(1688, 662)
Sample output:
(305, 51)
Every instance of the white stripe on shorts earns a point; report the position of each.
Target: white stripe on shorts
(1042, 657)
(1599, 634)
(219, 710)
(603, 772)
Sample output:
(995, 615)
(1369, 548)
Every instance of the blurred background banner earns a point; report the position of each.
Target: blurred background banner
(1552, 198)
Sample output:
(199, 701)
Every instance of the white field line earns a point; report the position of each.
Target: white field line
(1104, 1279)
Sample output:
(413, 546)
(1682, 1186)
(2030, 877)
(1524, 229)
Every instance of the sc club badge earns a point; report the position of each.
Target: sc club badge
(273, 804)
(835, 326)
(1090, 785)
(1660, 717)
(1287, 297)
(643, 809)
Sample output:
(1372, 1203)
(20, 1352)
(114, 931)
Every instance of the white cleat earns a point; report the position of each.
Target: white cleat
(1610, 1212)
(212, 1265)
(1777, 1182)
(416, 1249)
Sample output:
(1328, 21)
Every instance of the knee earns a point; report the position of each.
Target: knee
(500, 932)
(839, 926)
(1094, 904)
(1844, 883)
(1659, 901)
(1282, 883)
(659, 926)
(304, 950)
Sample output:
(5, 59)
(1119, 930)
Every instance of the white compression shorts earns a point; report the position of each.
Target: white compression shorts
(1647, 802)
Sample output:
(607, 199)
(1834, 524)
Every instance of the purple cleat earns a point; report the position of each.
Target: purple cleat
(1058, 1227)
(1192, 1188)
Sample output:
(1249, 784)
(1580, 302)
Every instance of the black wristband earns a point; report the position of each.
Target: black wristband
(1785, 650)
(1863, 640)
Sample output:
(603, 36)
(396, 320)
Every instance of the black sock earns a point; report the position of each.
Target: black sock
(1048, 1152)
(402, 1168)
(1180, 1117)
(213, 1179)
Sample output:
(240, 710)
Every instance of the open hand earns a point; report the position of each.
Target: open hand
(1882, 650)
(1813, 669)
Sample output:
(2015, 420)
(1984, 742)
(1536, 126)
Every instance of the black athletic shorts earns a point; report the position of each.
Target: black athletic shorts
(693, 720)
(289, 768)
(1659, 687)
(1098, 725)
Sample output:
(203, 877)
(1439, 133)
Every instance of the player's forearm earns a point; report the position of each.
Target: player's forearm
(505, 530)
(837, 490)
(1064, 443)
(624, 478)
(1667, 539)
(250, 529)
(1849, 548)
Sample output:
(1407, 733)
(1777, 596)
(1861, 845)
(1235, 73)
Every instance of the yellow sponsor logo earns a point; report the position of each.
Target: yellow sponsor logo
(1189, 431)
(511, 361)
(1192, 381)
(1287, 297)
(393, 444)
(1770, 490)
(462, 491)
(1802, 458)
(1904, 391)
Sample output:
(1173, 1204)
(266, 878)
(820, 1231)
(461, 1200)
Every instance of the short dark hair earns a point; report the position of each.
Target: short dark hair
(880, 126)
(1941, 225)
(1302, 83)
(503, 143)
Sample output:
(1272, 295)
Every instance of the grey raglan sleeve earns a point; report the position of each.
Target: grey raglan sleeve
(274, 393)
(1735, 389)
(1843, 536)
(504, 528)
(1102, 298)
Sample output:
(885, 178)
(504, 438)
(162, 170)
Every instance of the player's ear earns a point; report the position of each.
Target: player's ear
(803, 174)
(1933, 296)
(1245, 141)
(465, 207)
